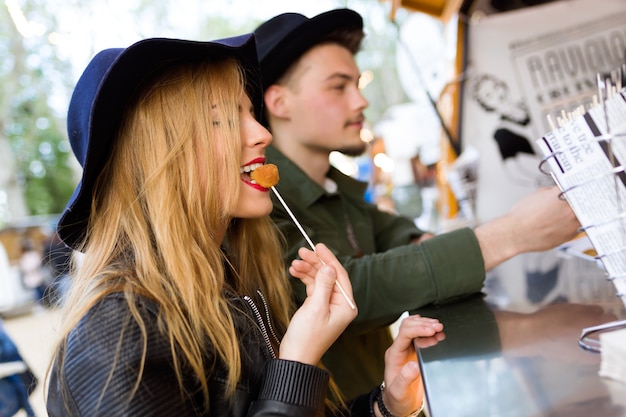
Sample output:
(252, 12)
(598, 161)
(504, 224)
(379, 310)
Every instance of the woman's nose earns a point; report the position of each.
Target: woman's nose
(255, 133)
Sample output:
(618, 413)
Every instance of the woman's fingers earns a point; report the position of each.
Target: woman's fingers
(311, 262)
(402, 349)
(306, 267)
(329, 258)
(301, 269)
(326, 256)
(402, 374)
(318, 322)
(415, 326)
(324, 285)
(426, 342)
(309, 257)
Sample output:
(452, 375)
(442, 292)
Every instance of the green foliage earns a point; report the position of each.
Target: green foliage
(30, 77)
(41, 155)
(36, 80)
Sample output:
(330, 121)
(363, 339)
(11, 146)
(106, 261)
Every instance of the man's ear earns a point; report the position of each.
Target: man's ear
(276, 101)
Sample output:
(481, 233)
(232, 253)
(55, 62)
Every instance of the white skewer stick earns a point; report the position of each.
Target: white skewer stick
(310, 242)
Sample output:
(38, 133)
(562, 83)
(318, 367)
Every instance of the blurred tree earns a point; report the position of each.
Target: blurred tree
(45, 44)
(31, 75)
(378, 56)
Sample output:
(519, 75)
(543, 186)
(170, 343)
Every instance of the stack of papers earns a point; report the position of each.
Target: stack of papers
(586, 157)
(613, 363)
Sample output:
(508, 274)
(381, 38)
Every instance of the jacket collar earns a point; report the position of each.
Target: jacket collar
(297, 185)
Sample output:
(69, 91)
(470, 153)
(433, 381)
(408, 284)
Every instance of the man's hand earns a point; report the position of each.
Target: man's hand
(540, 221)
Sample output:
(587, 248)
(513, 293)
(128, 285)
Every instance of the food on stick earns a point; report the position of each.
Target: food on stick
(266, 175)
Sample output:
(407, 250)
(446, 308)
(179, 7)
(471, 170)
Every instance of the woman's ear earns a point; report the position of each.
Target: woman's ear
(276, 101)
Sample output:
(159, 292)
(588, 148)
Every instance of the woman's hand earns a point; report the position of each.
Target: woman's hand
(404, 392)
(325, 313)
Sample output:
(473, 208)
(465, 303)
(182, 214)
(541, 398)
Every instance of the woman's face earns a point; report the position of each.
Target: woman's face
(254, 200)
(492, 93)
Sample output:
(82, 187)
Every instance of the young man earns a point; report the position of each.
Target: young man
(314, 107)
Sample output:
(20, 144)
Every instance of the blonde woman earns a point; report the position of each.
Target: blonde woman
(180, 305)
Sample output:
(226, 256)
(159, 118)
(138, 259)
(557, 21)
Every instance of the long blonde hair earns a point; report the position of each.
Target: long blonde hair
(153, 224)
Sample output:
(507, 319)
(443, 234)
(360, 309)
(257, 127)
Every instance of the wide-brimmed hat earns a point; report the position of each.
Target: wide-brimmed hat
(105, 88)
(286, 37)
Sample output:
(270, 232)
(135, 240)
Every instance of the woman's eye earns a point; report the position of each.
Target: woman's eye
(219, 123)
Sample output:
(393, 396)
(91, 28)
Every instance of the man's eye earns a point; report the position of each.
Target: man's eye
(216, 123)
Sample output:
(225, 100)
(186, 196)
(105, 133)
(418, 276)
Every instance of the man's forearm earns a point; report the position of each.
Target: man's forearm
(497, 242)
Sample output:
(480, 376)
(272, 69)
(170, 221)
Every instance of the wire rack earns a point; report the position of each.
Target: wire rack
(585, 156)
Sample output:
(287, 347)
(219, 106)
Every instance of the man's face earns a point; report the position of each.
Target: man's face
(326, 105)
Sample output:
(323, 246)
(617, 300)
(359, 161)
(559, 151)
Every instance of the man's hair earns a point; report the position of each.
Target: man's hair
(350, 39)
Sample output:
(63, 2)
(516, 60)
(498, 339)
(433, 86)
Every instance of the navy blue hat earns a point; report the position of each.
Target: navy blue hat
(286, 37)
(105, 88)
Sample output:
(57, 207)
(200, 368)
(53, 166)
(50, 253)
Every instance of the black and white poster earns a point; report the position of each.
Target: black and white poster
(526, 69)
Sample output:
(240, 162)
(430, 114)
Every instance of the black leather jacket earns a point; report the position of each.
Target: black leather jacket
(267, 387)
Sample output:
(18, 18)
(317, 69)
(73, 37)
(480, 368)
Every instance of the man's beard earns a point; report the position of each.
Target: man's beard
(355, 150)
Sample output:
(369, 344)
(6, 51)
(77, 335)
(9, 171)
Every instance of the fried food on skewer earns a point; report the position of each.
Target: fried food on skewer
(266, 175)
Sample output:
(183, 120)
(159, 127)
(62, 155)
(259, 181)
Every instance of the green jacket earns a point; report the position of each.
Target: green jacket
(389, 276)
